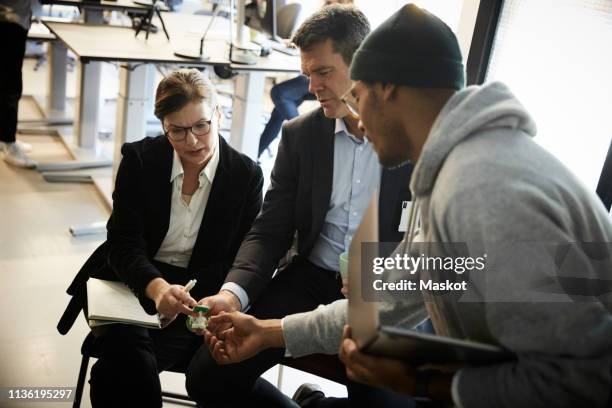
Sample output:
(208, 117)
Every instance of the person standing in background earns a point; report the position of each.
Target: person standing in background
(15, 16)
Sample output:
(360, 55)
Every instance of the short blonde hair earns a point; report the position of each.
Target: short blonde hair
(179, 88)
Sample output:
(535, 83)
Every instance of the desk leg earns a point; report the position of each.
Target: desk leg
(88, 98)
(133, 106)
(246, 113)
(54, 107)
(58, 60)
(87, 104)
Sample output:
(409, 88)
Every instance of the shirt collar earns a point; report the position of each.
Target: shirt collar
(177, 167)
(209, 171)
(341, 127)
(211, 168)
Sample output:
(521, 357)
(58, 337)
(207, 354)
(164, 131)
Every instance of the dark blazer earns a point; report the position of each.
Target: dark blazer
(298, 200)
(141, 216)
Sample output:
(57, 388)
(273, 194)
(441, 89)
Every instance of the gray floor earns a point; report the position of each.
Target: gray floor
(38, 259)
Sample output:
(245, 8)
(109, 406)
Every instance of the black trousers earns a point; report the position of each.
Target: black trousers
(299, 288)
(12, 50)
(127, 372)
(364, 396)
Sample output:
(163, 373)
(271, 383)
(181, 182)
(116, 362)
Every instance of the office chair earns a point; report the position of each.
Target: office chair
(90, 349)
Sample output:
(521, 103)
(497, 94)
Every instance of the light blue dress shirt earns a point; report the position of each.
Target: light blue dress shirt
(357, 174)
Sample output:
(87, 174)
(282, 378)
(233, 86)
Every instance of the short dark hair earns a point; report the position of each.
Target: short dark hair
(344, 25)
(328, 2)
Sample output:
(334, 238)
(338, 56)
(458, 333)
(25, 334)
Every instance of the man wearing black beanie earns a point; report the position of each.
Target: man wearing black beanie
(412, 48)
(478, 179)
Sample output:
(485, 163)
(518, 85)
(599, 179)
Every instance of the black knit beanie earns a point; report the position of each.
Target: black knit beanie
(412, 47)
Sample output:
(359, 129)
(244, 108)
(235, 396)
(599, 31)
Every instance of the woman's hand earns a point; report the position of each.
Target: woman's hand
(170, 300)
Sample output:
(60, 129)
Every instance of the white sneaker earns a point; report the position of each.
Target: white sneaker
(26, 147)
(14, 154)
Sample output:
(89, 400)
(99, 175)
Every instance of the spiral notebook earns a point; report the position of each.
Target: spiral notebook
(113, 302)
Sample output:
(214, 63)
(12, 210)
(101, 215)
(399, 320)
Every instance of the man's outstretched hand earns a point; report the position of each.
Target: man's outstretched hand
(234, 337)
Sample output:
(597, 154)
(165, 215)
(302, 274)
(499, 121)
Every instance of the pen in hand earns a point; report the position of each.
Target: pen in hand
(165, 320)
(187, 288)
(190, 285)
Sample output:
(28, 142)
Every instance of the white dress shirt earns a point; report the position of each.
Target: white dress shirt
(186, 217)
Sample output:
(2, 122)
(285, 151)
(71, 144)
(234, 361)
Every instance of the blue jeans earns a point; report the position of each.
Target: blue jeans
(286, 96)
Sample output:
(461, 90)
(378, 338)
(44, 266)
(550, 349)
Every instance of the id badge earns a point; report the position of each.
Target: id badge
(403, 224)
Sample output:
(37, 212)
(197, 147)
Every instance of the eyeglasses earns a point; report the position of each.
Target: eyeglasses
(201, 128)
(349, 100)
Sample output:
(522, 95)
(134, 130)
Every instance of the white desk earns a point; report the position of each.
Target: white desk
(86, 120)
(95, 43)
(119, 5)
(39, 32)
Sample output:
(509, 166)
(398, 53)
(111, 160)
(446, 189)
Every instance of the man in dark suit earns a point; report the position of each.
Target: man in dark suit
(324, 176)
(181, 206)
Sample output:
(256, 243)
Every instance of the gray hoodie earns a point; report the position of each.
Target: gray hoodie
(481, 179)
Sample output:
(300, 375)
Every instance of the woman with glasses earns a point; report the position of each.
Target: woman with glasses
(182, 203)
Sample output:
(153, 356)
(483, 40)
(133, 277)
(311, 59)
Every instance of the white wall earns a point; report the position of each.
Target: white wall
(460, 15)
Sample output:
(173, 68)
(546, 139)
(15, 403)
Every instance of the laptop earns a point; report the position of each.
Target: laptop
(386, 341)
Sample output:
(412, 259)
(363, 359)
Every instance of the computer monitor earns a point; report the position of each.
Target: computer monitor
(261, 15)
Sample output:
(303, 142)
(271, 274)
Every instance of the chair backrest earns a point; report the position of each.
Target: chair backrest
(286, 19)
